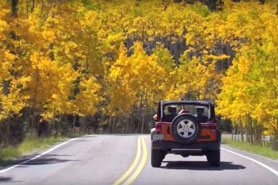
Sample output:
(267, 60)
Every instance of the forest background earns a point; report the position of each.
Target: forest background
(102, 66)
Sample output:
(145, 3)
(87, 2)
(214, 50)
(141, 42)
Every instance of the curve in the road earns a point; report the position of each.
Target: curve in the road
(133, 165)
(81, 157)
(141, 165)
(37, 156)
(128, 177)
(253, 160)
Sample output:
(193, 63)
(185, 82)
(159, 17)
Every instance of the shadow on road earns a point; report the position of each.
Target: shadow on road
(80, 140)
(49, 160)
(200, 165)
(9, 180)
(46, 159)
(5, 179)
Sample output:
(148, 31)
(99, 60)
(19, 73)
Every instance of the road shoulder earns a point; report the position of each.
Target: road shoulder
(267, 161)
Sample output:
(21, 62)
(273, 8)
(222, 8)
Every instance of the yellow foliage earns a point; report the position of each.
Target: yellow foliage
(65, 57)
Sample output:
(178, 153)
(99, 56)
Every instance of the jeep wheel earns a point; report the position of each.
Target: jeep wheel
(213, 158)
(156, 157)
(186, 129)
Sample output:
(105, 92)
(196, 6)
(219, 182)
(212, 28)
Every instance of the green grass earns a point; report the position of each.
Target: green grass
(27, 146)
(252, 148)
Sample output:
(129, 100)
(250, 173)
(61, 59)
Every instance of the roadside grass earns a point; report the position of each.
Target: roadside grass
(29, 145)
(252, 148)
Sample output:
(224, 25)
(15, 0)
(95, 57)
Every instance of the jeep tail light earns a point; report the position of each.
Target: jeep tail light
(158, 127)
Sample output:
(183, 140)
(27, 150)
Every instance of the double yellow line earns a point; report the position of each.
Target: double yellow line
(126, 178)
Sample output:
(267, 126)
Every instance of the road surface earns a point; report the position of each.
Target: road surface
(125, 159)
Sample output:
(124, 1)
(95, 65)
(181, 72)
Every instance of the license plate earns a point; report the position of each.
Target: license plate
(158, 137)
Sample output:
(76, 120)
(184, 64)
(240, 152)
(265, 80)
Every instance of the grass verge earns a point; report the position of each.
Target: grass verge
(29, 145)
(252, 148)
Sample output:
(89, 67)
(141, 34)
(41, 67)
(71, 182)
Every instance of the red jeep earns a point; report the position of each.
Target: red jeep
(185, 128)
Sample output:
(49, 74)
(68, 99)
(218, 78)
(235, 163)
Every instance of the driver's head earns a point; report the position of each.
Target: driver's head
(200, 110)
(172, 109)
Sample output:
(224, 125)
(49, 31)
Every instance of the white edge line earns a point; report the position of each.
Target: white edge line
(253, 160)
(40, 155)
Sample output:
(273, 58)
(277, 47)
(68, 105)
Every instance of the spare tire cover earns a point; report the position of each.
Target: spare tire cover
(185, 128)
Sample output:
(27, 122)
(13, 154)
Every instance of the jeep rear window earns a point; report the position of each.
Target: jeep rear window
(170, 111)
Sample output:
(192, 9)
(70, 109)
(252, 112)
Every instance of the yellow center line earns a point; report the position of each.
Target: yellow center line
(141, 165)
(133, 165)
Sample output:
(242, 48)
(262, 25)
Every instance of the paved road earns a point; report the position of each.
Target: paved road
(108, 159)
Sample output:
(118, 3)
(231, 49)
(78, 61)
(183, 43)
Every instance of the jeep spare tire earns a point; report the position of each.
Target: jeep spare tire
(185, 128)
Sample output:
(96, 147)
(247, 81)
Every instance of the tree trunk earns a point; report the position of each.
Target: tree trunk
(211, 5)
(14, 7)
(126, 124)
(140, 114)
(275, 142)
(56, 128)
(110, 124)
(251, 132)
(34, 123)
(143, 121)
(33, 5)
(241, 133)
(114, 123)
(7, 138)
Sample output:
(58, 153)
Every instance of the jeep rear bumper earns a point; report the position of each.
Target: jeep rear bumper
(169, 145)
